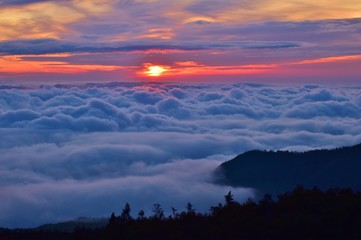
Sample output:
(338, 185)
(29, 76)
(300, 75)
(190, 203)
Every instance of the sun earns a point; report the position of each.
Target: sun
(155, 70)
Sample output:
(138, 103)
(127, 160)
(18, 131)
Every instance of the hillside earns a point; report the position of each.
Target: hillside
(280, 171)
(300, 214)
(70, 226)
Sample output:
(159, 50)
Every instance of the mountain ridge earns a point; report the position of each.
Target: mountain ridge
(71, 225)
(276, 172)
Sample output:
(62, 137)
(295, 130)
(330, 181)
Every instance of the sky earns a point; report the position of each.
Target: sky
(192, 40)
(105, 102)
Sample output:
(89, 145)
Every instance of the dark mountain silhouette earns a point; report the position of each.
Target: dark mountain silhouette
(281, 171)
(70, 226)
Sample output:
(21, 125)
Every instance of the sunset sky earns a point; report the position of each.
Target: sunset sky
(191, 40)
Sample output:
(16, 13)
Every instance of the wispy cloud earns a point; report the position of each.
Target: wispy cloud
(49, 46)
(21, 2)
(330, 59)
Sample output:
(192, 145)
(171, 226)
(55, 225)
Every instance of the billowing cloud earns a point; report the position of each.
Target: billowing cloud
(85, 150)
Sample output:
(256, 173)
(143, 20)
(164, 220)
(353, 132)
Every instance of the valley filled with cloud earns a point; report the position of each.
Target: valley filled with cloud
(84, 150)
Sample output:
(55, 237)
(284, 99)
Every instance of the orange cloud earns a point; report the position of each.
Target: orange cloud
(48, 19)
(194, 68)
(41, 20)
(261, 10)
(330, 59)
(297, 10)
(16, 64)
(199, 18)
(188, 64)
(94, 7)
(53, 55)
(158, 33)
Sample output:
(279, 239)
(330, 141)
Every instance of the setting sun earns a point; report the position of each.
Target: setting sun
(155, 71)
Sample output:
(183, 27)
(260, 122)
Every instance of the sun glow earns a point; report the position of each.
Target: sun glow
(155, 70)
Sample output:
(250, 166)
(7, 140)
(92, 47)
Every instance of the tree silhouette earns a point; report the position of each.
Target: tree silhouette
(215, 209)
(229, 198)
(190, 209)
(112, 219)
(174, 212)
(299, 214)
(158, 212)
(141, 215)
(125, 215)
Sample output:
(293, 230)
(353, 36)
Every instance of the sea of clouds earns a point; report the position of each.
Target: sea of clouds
(84, 150)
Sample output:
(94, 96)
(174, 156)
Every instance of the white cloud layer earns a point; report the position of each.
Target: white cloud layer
(69, 151)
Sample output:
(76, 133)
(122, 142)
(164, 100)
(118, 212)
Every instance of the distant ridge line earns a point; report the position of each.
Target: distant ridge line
(279, 171)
